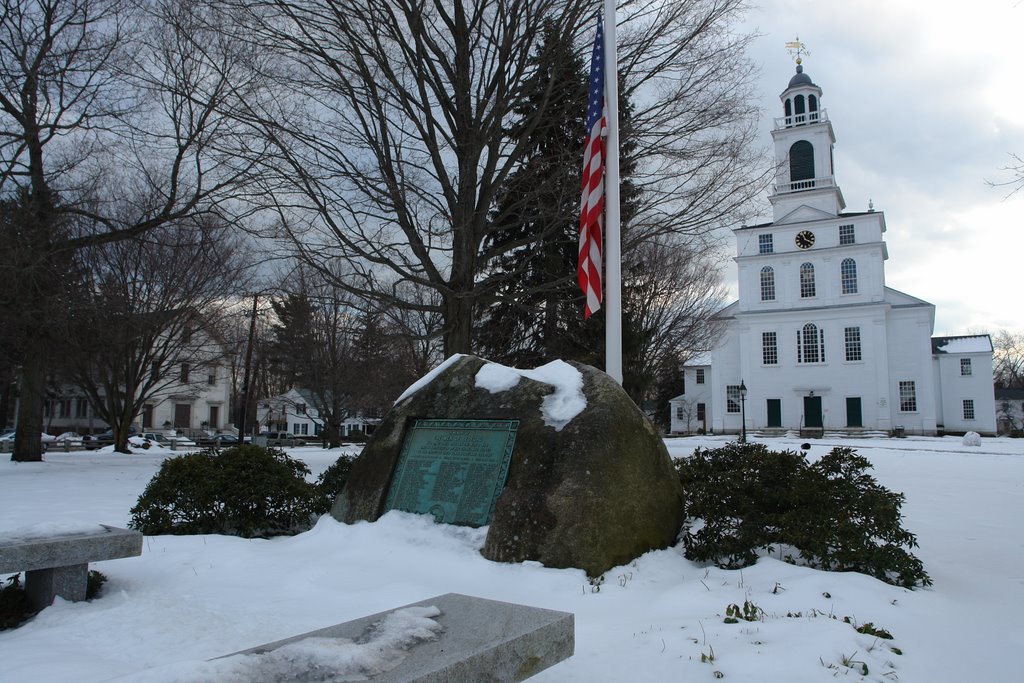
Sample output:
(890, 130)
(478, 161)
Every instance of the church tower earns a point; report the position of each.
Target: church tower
(803, 137)
(816, 344)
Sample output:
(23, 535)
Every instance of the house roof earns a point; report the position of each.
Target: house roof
(1009, 394)
(971, 343)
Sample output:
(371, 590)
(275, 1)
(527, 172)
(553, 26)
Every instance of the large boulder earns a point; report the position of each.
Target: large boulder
(590, 483)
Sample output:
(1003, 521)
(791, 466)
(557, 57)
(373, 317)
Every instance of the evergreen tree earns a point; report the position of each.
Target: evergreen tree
(538, 314)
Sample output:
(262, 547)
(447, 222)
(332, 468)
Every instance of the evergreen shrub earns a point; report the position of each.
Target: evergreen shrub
(245, 490)
(332, 480)
(832, 512)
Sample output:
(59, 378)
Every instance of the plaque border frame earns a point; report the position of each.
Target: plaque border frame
(511, 428)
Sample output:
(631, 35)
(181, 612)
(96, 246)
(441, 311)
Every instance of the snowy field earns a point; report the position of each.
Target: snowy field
(191, 598)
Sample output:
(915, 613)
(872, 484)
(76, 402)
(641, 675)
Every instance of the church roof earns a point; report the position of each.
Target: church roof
(800, 78)
(845, 214)
(970, 343)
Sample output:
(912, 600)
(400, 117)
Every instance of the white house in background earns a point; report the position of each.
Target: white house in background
(295, 411)
(196, 399)
(1010, 411)
(816, 338)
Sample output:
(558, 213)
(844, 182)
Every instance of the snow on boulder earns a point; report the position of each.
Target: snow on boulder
(590, 483)
(972, 439)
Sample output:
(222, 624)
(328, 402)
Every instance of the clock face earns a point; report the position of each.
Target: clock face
(805, 239)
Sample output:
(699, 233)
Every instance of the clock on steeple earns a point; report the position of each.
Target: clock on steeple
(805, 239)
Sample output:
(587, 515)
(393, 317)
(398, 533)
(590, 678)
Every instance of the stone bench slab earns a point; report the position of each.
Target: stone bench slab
(483, 641)
(57, 563)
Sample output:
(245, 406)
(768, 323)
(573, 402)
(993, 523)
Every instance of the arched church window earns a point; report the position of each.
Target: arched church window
(767, 284)
(810, 344)
(812, 107)
(799, 108)
(801, 165)
(789, 112)
(848, 272)
(807, 280)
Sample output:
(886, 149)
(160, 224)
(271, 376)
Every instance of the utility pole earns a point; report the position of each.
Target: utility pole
(248, 371)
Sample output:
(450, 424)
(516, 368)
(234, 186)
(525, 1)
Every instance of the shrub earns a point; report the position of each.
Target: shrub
(244, 490)
(333, 479)
(15, 609)
(834, 513)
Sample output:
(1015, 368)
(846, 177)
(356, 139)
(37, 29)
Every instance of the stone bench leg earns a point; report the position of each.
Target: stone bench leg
(42, 585)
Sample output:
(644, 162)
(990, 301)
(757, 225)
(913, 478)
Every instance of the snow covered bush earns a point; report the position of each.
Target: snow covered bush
(972, 439)
(244, 490)
(744, 499)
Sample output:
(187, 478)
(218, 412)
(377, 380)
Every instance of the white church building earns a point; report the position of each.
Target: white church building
(816, 342)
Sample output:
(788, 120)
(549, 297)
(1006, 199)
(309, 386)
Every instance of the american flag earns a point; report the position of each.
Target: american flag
(588, 268)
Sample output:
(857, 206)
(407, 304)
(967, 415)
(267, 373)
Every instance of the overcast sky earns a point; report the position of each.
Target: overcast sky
(926, 100)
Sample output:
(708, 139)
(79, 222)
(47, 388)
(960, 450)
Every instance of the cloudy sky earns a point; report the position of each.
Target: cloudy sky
(927, 101)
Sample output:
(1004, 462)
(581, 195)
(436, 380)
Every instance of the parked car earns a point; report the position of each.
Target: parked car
(222, 440)
(93, 441)
(157, 438)
(284, 439)
(69, 439)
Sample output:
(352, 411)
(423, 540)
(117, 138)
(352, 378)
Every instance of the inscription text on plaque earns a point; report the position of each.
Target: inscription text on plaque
(453, 469)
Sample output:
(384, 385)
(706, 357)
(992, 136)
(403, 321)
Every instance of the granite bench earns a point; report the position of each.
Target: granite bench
(57, 562)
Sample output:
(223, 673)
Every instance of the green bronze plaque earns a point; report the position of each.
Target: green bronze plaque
(453, 469)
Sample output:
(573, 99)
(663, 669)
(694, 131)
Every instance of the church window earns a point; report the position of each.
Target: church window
(846, 235)
(968, 408)
(700, 375)
(812, 107)
(965, 366)
(851, 336)
(789, 113)
(848, 269)
(806, 280)
(732, 398)
(908, 397)
(798, 109)
(769, 348)
(767, 284)
(810, 344)
(801, 165)
(765, 244)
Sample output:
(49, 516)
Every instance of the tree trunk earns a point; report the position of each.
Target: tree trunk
(28, 447)
(334, 436)
(458, 333)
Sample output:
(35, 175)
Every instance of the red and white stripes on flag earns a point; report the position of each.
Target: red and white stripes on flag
(588, 267)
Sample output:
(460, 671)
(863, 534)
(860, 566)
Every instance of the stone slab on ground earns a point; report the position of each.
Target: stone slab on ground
(483, 641)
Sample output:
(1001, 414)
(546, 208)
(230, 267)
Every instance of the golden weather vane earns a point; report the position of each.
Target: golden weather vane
(797, 49)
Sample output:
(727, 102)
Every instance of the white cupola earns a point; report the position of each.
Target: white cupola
(803, 137)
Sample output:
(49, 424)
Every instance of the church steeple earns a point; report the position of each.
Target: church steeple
(803, 138)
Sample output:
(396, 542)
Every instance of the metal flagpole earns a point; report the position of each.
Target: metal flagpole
(612, 241)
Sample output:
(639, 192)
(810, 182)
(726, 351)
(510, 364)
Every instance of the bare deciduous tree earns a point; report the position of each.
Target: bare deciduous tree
(673, 294)
(151, 318)
(392, 130)
(1008, 368)
(109, 127)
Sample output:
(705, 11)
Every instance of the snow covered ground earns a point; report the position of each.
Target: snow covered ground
(190, 598)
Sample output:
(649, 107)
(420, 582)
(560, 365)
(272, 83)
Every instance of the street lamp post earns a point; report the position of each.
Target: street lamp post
(743, 411)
